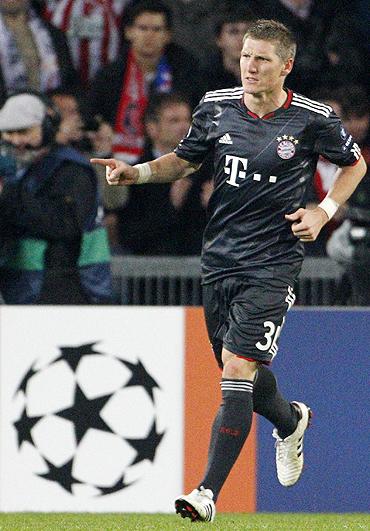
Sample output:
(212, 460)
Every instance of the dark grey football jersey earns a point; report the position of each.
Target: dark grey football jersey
(261, 169)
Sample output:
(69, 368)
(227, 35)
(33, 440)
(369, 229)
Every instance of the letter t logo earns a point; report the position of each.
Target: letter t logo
(232, 169)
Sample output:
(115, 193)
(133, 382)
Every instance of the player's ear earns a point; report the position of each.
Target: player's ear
(287, 67)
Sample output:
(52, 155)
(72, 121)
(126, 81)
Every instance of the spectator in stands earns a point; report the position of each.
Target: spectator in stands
(192, 215)
(70, 132)
(50, 209)
(310, 21)
(90, 136)
(169, 218)
(92, 28)
(193, 24)
(356, 114)
(223, 67)
(149, 63)
(361, 13)
(93, 137)
(350, 243)
(34, 54)
(347, 54)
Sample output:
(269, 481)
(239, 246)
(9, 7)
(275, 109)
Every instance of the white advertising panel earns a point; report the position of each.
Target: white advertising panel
(91, 408)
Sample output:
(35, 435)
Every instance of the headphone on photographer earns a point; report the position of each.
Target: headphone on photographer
(52, 118)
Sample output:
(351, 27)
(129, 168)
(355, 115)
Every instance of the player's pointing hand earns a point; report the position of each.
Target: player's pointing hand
(307, 224)
(117, 172)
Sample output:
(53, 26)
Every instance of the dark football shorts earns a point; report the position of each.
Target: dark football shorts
(246, 316)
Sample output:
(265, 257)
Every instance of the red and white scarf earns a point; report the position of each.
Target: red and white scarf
(128, 143)
(12, 65)
(129, 138)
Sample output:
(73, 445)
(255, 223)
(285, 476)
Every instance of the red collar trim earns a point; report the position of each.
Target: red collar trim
(271, 114)
(250, 112)
(288, 100)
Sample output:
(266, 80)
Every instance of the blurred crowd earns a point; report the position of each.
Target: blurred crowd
(120, 78)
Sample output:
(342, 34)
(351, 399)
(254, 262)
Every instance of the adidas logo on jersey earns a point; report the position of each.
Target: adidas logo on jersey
(226, 139)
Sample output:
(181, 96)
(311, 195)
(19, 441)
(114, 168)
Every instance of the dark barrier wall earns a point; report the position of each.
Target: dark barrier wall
(323, 360)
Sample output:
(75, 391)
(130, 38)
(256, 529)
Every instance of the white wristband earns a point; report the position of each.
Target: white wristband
(329, 206)
(145, 172)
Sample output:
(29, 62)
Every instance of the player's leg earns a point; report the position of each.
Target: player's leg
(234, 418)
(290, 419)
(267, 399)
(268, 402)
(233, 421)
(229, 433)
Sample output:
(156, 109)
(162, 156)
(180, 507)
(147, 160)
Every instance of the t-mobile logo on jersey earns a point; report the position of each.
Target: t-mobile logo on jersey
(232, 168)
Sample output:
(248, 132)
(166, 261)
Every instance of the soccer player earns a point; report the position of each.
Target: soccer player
(266, 142)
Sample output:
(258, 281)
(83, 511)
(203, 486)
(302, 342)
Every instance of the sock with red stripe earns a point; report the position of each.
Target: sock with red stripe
(229, 432)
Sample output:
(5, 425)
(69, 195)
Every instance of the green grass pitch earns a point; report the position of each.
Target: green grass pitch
(164, 522)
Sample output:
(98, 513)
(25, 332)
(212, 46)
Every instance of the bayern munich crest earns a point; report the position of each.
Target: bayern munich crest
(286, 147)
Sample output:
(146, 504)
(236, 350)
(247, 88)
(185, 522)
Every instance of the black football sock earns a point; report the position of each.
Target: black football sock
(229, 432)
(268, 402)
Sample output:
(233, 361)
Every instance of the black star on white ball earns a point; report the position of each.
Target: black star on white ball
(60, 474)
(92, 386)
(119, 485)
(140, 376)
(85, 413)
(73, 355)
(23, 385)
(146, 448)
(24, 426)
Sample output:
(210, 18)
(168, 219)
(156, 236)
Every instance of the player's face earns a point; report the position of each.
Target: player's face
(148, 35)
(262, 70)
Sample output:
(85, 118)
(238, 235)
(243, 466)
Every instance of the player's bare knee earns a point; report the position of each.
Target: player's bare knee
(237, 368)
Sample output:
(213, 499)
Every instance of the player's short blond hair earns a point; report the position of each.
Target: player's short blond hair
(276, 32)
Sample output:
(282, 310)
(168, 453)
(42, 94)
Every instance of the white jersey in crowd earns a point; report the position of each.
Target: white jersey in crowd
(92, 30)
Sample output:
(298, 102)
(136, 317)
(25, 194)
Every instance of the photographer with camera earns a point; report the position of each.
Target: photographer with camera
(50, 208)
(91, 135)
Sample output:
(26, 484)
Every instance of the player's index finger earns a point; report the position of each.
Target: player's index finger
(102, 162)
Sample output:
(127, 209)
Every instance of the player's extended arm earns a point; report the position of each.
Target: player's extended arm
(165, 169)
(307, 224)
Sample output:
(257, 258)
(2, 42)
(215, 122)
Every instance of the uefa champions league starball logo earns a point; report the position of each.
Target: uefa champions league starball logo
(88, 421)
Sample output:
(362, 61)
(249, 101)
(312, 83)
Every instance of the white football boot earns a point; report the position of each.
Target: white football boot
(198, 505)
(289, 451)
